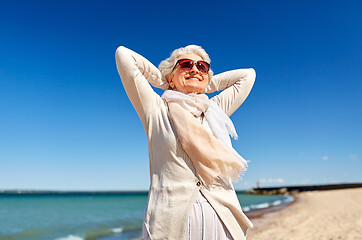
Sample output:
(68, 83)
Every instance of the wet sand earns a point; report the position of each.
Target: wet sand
(315, 215)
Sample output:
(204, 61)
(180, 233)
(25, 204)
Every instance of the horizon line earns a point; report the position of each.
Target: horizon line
(39, 191)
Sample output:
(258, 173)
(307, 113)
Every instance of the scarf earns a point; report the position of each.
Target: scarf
(203, 130)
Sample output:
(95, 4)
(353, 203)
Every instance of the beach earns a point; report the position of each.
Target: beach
(314, 215)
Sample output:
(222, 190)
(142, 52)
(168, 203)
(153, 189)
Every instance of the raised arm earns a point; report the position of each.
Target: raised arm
(136, 72)
(235, 86)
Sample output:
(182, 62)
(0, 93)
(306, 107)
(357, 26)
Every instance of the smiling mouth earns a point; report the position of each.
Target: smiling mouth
(193, 78)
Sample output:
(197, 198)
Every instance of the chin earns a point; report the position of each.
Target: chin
(194, 91)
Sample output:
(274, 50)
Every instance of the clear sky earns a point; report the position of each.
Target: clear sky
(67, 124)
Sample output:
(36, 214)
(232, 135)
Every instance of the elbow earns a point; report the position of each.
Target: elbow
(120, 51)
(251, 74)
(122, 57)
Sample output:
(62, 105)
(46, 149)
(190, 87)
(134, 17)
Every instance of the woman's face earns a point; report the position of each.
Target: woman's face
(189, 80)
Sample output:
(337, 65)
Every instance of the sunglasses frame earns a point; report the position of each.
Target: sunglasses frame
(193, 64)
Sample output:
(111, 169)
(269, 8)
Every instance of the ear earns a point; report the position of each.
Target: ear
(169, 80)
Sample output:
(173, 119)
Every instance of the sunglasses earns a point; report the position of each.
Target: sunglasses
(188, 64)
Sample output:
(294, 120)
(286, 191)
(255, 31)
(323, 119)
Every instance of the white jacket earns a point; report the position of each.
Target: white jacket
(174, 185)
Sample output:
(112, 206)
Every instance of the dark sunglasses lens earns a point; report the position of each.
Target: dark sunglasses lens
(188, 64)
(202, 66)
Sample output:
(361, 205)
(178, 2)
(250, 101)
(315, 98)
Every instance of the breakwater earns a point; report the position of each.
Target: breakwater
(291, 190)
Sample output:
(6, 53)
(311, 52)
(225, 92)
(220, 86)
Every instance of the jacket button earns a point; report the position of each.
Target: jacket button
(198, 184)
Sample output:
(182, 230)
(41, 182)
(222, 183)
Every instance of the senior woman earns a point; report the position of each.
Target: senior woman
(192, 162)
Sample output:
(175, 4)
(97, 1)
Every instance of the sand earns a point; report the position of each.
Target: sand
(316, 215)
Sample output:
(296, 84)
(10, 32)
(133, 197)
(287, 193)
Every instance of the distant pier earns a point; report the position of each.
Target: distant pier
(291, 190)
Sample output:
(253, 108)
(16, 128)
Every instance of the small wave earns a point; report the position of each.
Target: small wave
(277, 202)
(117, 230)
(289, 199)
(70, 237)
(259, 206)
(246, 209)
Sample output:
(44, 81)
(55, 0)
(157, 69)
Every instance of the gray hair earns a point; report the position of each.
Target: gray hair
(167, 65)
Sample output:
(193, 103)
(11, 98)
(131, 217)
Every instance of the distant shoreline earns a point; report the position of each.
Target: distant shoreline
(292, 190)
(284, 190)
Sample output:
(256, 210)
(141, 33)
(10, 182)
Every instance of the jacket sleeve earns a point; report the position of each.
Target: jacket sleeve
(235, 86)
(136, 72)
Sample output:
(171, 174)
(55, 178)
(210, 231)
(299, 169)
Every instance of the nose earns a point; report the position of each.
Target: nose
(194, 68)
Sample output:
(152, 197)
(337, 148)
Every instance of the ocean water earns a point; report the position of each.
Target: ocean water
(86, 216)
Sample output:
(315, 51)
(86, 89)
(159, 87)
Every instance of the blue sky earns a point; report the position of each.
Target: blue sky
(67, 124)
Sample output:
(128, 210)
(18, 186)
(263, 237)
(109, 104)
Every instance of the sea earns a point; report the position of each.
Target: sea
(88, 216)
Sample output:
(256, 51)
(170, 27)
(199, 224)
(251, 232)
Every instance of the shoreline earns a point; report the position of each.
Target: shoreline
(259, 213)
(314, 215)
